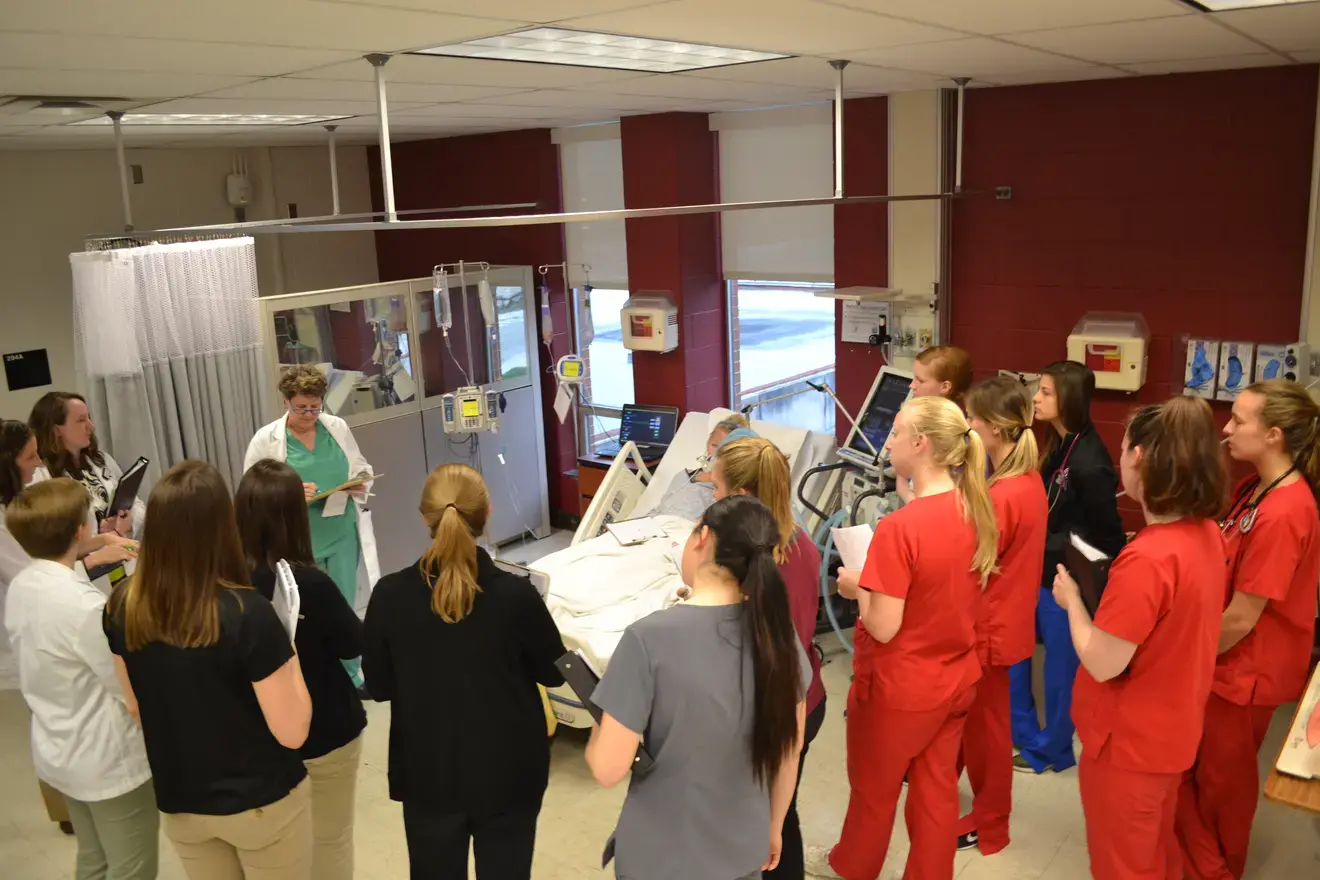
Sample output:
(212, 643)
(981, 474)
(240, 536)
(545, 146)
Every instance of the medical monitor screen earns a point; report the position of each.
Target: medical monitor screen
(878, 419)
(648, 426)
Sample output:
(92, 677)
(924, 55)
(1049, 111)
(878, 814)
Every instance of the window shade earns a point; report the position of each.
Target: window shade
(591, 165)
(777, 154)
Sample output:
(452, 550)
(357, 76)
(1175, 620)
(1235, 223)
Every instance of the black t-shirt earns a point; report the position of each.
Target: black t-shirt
(467, 729)
(207, 741)
(328, 632)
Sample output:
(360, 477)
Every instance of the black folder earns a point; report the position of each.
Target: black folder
(127, 490)
(1090, 568)
(583, 680)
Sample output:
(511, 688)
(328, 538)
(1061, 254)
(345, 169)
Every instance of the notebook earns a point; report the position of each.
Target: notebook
(126, 491)
(583, 680)
(1089, 567)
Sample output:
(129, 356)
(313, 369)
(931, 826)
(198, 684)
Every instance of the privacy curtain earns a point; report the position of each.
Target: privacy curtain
(168, 346)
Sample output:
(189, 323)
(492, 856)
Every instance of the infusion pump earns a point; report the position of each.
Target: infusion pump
(471, 410)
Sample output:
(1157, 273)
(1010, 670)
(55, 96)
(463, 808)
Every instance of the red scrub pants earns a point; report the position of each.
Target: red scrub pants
(883, 745)
(1217, 802)
(988, 753)
(1129, 821)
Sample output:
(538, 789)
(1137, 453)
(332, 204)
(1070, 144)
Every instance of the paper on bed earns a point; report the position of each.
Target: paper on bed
(853, 544)
(635, 531)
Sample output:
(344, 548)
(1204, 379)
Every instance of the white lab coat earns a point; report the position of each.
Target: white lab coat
(108, 474)
(272, 441)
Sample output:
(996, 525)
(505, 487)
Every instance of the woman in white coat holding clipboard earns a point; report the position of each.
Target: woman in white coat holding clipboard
(321, 448)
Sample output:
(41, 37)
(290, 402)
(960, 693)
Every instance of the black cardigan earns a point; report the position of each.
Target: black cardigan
(467, 729)
(1086, 503)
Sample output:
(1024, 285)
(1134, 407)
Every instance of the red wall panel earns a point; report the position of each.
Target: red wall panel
(501, 168)
(1181, 197)
(861, 240)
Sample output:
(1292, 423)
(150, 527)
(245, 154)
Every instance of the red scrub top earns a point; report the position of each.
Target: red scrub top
(1006, 629)
(1165, 594)
(1278, 557)
(922, 553)
(801, 573)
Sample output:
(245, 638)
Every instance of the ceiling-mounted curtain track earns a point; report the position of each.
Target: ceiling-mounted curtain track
(378, 61)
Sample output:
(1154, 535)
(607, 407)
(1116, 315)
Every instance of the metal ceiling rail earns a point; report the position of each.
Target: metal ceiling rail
(287, 226)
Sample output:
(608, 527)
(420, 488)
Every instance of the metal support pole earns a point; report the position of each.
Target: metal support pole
(383, 114)
(838, 126)
(962, 82)
(115, 117)
(334, 172)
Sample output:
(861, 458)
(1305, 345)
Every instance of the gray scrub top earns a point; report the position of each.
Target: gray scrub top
(686, 497)
(682, 678)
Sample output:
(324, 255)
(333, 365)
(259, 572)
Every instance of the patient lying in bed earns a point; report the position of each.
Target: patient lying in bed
(691, 492)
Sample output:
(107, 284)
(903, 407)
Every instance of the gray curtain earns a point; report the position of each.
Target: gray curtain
(185, 378)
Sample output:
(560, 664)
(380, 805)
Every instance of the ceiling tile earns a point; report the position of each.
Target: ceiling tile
(1162, 39)
(568, 100)
(1052, 76)
(1295, 27)
(343, 90)
(272, 106)
(1196, 65)
(67, 52)
(790, 26)
(974, 57)
(498, 111)
(688, 86)
(110, 83)
(462, 71)
(814, 73)
(540, 11)
(991, 17)
(301, 23)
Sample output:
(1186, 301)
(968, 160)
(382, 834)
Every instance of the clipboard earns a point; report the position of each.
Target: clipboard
(583, 680)
(126, 492)
(1089, 567)
(346, 486)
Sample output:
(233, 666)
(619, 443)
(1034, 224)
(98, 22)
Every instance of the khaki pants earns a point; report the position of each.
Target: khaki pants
(273, 842)
(119, 838)
(334, 804)
(56, 809)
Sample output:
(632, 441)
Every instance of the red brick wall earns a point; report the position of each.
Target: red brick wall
(861, 240)
(501, 168)
(1181, 197)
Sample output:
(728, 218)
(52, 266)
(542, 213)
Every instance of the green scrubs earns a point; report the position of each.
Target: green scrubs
(334, 538)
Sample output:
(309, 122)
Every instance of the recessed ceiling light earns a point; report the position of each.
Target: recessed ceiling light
(1226, 5)
(586, 49)
(213, 119)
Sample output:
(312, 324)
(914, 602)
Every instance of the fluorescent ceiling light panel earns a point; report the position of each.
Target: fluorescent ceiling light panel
(214, 119)
(548, 45)
(1226, 5)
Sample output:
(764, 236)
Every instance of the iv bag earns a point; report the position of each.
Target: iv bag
(547, 322)
(444, 308)
(586, 329)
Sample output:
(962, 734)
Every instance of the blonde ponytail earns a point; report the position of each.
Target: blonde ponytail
(1002, 402)
(957, 448)
(455, 505)
(756, 466)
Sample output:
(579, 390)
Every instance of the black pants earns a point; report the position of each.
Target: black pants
(438, 844)
(791, 865)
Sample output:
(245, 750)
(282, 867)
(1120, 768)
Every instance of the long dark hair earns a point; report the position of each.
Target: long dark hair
(746, 535)
(51, 412)
(271, 509)
(190, 554)
(14, 436)
(1074, 384)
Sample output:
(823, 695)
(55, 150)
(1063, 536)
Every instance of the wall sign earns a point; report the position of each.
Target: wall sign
(27, 369)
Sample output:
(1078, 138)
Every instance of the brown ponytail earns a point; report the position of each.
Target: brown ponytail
(1182, 463)
(455, 505)
(1290, 408)
(756, 466)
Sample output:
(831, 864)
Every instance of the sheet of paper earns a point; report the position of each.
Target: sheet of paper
(563, 403)
(635, 531)
(286, 599)
(336, 504)
(852, 544)
(861, 319)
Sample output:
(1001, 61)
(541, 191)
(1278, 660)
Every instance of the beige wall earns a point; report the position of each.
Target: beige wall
(50, 200)
(914, 227)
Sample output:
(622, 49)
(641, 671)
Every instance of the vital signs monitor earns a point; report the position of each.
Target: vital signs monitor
(888, 394)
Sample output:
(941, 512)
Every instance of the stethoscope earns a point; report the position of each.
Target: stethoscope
(1247, 519)
(1059, 481)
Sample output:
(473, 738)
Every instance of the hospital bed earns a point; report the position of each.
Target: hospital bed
(596, 588)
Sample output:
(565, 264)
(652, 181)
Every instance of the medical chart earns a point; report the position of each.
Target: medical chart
(852, 544)
(635, 531)
(1301, 750)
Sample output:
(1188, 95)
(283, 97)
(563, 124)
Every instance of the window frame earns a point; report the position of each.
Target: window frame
(589, 412)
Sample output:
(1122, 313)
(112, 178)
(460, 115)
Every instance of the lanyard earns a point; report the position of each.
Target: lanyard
(1248, 513)
(1060, 479)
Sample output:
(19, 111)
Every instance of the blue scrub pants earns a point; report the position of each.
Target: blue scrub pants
(1052, 746)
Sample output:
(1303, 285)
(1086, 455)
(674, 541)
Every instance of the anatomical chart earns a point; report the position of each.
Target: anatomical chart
(1301, 750)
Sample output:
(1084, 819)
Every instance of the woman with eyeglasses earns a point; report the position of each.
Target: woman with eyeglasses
(1081, 490)
(321, 448)
(1272, 543)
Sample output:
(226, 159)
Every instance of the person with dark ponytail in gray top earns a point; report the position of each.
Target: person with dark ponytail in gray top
(715, 690)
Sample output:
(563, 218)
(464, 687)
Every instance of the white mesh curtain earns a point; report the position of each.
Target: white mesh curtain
(168, 345)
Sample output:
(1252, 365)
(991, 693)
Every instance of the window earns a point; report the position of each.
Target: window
(609, 383)
(781, 335)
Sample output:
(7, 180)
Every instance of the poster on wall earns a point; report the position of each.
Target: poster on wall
(27, 369)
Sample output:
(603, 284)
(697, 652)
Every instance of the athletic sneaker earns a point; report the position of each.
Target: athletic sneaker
(967, 841)
(816, 862)
(1021, 765)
